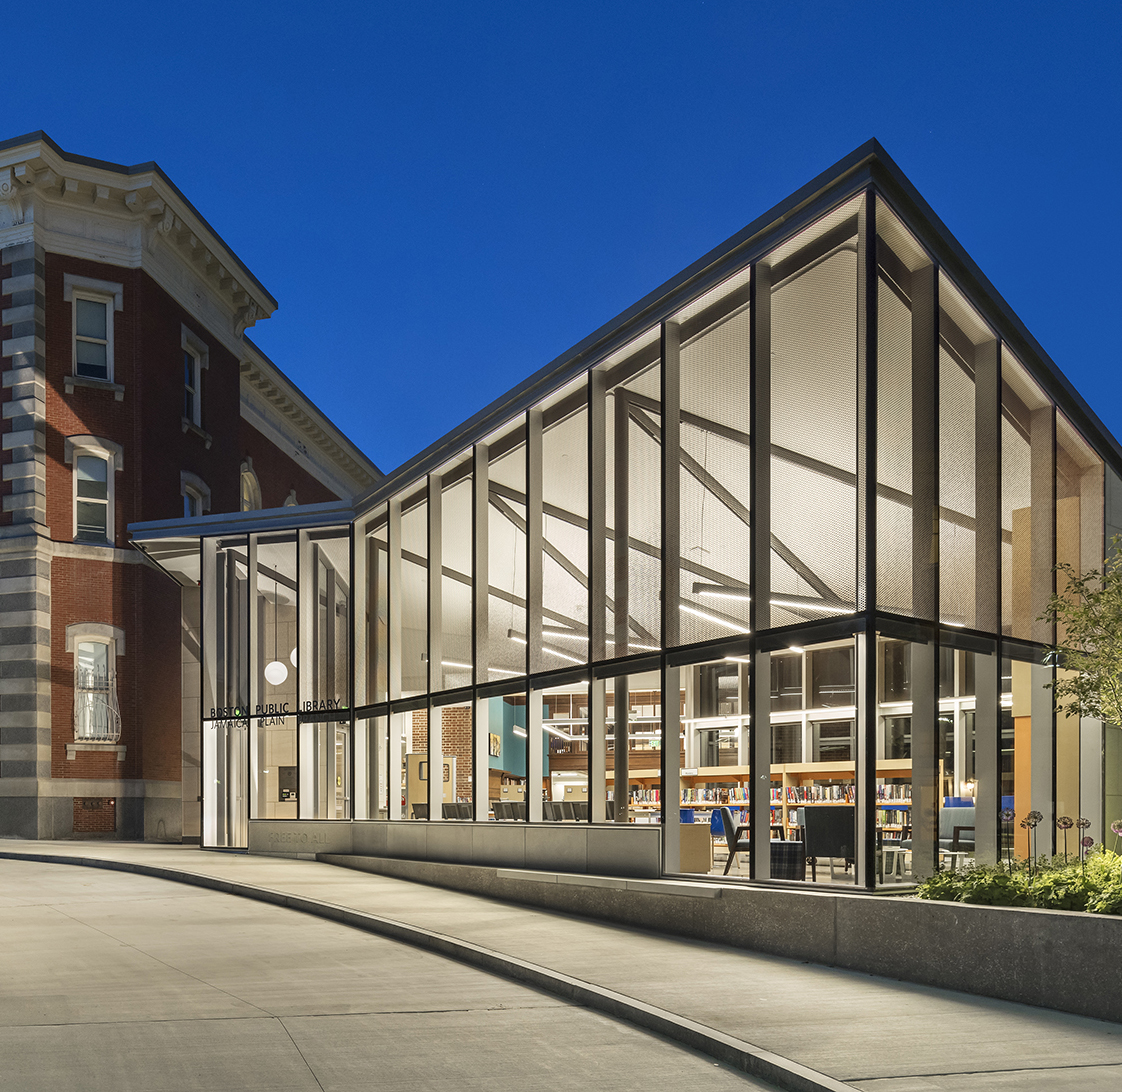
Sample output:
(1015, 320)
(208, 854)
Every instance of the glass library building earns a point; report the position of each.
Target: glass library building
(748, 583)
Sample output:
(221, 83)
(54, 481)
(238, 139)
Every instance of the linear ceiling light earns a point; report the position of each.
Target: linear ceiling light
(514, 635)
(736, 627)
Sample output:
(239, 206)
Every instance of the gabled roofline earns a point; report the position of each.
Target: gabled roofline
(139, 169)
(867, 165)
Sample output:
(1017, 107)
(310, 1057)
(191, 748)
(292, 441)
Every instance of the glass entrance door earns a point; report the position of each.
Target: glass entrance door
(225, 796)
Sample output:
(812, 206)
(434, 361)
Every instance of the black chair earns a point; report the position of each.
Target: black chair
(580, 810)
(465, 810)
(518, 810)
(502, 809)
(449, 811)
(610, 811)
(495, 808)
(829, 831)
(420, 811)
(567, 810)
(552, 812)
(733, 839)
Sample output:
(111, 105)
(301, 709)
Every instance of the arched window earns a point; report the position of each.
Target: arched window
(251, 488)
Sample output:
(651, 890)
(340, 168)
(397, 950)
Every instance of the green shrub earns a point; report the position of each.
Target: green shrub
(1057, 883)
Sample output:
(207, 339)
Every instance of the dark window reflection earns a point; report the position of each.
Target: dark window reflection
(831, 677)
(897, 737)
(786, 681)
(786, 743)
(833, 741)
(897, 671)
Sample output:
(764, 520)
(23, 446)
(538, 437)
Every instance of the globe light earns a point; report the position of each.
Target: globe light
(276, 672)
(292, 657)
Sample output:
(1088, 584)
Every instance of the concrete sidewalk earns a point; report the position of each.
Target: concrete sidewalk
(873, 1034)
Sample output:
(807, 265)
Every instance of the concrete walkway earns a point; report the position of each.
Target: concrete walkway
(830, 1025)
(116, 982)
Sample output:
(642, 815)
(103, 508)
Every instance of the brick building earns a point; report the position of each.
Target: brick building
(130, 392)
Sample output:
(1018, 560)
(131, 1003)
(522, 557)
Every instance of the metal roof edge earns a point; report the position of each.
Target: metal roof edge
(981, 291)
(292, 518)
(553, 373)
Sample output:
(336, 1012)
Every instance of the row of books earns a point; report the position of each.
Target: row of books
(820, 794)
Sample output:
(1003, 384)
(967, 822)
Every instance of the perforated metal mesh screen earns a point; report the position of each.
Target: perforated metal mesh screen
(956, 491)
(1021, 420)
(642, 478)
(1079, 500)
(456, 582)
(715, 477)
(814, 379)
(564, 531)
(506, 564)
(894, 447)
(414, 599)
(377, 609)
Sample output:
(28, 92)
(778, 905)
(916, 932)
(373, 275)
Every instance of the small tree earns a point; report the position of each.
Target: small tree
(1087, 614)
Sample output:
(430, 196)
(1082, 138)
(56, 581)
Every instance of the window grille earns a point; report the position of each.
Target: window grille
(97, 717)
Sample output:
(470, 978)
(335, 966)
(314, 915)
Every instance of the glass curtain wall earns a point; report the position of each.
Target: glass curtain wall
(226, 691)
(697, 510)
(274, 782)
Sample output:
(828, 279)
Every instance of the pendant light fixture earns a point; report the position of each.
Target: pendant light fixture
(275, 671)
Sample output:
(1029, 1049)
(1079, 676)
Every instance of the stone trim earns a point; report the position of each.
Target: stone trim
(77, 630)
(70, 281)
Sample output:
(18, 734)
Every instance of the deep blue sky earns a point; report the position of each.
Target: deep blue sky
(445, 196)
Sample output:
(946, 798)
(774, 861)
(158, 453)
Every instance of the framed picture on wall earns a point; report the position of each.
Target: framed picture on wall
(495, 745)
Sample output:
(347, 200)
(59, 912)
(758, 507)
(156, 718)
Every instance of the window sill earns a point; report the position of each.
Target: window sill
(72, 381)
(72, 749)
(190, 426)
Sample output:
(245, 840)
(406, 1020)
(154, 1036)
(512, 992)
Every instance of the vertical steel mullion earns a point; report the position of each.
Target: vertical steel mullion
(924, 657)
(621, 598)
(987, 599)
(671, 395)
(393, 600)
(597, 579)
(1042, 460)
(393, 654)
(435, 615)
(207, 588)
(352, 651)
(480, 630)
(759, 560)
(866, 764)
(534, 546)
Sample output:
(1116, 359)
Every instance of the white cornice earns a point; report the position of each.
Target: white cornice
(132, 220)
(273, 406)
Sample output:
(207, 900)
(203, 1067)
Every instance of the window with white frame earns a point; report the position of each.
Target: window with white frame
(196, 358)
(251, 488)
(92, 328)
(191, 387)
(196, 495)
(95, 647)
(94, 462)
(93, 304)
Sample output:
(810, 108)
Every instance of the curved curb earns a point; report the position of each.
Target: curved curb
(737, 1053)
